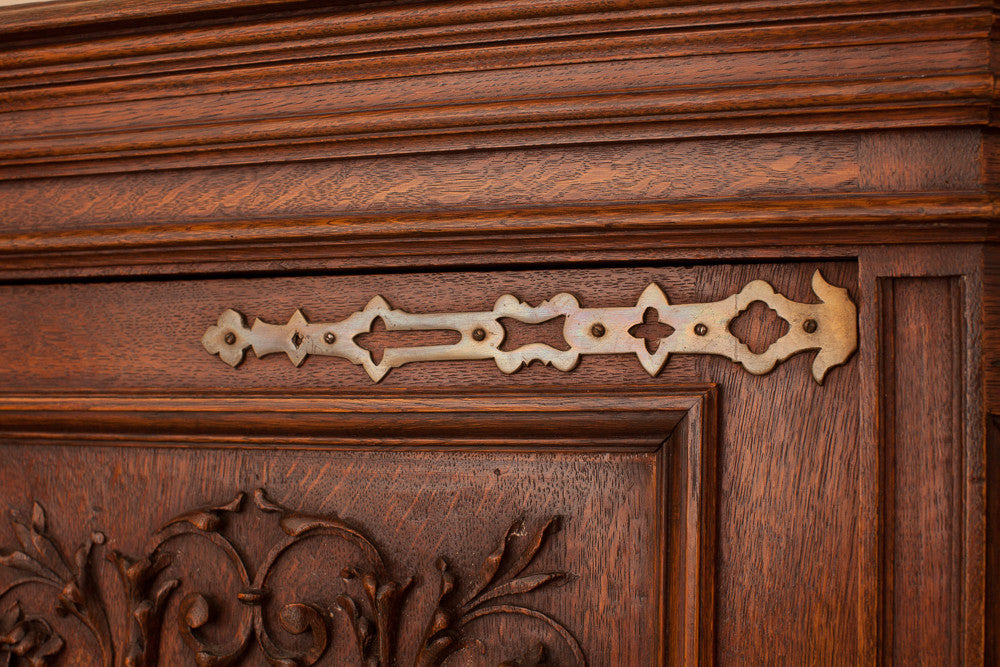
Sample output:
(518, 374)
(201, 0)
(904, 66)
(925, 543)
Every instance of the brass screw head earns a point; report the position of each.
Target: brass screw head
(479, 334)
(700, 329)
(330, 338)
(230, 338)
(810, 326)
(597, 330)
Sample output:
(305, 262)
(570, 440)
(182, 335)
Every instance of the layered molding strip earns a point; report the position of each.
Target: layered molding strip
(700, 328)
(542, 235)
(337, 83)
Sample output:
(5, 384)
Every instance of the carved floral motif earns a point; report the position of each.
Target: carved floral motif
(372, 604)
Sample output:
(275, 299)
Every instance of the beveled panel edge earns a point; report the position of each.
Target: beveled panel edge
(630, 419)
(698, 430)
(684, 416)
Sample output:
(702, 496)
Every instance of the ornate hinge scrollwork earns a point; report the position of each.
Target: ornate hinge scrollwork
(698, 328)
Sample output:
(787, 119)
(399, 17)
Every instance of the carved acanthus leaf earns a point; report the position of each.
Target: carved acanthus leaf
(30, 637)
(373, 602)
(450, 618)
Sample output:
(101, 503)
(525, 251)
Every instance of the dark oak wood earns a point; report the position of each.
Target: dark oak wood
(620, 495)
(954, 479)
(161, 162)
(922, 442)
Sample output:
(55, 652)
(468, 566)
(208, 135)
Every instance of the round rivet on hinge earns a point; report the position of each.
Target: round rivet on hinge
(230, 338)
(809, 326)
(700, 329)
(330, 338)
(478, 334)
(597, 330)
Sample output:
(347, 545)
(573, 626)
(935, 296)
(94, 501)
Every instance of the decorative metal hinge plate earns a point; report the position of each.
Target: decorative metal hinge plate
(698, 328)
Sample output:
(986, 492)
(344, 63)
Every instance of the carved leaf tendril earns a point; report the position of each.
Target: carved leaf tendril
(29, 637)
(495, 581)
(42, 558)
(373, 611)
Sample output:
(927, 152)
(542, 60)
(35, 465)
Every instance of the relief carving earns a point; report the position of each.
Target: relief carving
(372, 605)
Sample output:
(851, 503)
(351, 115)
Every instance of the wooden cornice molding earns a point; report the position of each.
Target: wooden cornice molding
(171, 85)
(917, 101)
(386, 41)
(219, 22)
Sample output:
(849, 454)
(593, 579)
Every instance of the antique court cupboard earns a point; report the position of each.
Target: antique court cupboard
(564, 332)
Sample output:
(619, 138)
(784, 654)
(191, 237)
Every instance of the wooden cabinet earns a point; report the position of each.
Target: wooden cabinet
(458, 241)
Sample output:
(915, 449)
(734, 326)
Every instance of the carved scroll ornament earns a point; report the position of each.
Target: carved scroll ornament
(371, 602)
(698, 328)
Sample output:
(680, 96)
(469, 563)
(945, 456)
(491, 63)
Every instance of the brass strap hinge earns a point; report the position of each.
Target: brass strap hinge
(698, 328)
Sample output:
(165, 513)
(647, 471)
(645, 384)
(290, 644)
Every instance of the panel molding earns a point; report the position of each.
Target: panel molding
(677, 425)
(923, 554)
(517, 418)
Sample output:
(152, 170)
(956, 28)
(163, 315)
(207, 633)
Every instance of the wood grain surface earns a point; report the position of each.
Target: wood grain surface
(146, 335)
(943, 526)
(631, 524)
(768, 471)
(923, 443)
(163, 161)
(496, 72)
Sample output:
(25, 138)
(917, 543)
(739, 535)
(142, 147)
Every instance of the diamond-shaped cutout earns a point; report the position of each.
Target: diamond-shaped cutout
(651, 330)
(758, 326)
(297, 339)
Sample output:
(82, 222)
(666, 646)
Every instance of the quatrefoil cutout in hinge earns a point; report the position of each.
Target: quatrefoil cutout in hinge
(830, 327)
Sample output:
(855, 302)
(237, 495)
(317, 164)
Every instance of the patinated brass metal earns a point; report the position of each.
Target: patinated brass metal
(698, 328)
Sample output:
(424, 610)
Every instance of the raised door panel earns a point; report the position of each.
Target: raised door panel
(512, 541)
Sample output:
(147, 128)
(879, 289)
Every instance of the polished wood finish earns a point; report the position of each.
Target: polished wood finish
(624, 468)
(163, 161)
(922, 435)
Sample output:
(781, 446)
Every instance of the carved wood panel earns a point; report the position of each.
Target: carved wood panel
(442, 555)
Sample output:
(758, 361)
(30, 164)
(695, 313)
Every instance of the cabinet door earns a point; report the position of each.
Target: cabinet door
(180, 509)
